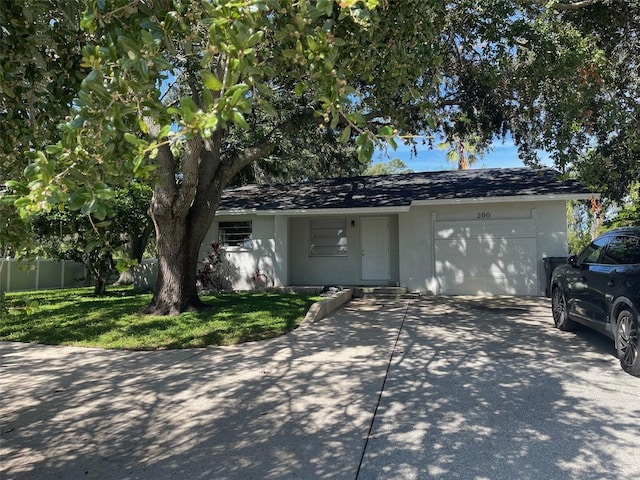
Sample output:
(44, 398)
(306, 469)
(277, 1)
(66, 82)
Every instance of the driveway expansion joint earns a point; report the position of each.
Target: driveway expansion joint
(384, 381)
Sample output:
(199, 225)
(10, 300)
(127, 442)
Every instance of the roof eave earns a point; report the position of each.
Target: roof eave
(405, 208)
(316, 211)
(507, 199)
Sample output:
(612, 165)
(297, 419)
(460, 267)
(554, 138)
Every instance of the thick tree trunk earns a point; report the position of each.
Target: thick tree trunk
(178, 247)
(183, 210)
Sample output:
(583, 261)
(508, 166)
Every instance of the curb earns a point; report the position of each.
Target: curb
(321, 309)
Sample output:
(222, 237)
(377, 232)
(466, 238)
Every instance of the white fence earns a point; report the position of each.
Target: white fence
(40, 274)
(144, 275)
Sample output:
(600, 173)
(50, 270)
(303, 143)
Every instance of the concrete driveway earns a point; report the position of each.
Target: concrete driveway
(462, 388)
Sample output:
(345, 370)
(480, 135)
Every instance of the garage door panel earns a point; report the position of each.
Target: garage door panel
(487, 257)
(474, 267)
(524, 229)
(466, 246)
(487, 286)
(514, 249)
(501, 228)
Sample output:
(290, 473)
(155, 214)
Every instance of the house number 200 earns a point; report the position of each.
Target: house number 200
(483, 215)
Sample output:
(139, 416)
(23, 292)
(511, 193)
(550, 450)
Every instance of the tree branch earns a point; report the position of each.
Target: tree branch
(565, 6)
(190, 177)
(166, 188)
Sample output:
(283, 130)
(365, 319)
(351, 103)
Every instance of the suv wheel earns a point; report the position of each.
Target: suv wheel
(628, 343)
(559, 310)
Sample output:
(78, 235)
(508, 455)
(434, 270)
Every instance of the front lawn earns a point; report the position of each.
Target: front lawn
(76, 317)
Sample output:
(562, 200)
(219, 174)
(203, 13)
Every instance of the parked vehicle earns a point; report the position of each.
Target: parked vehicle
(600, 288)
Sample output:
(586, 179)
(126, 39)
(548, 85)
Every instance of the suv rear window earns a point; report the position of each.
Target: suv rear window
(622, 250)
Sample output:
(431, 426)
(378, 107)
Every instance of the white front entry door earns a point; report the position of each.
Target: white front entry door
(375, 248)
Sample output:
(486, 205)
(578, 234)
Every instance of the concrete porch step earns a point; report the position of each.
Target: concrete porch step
(380, 292)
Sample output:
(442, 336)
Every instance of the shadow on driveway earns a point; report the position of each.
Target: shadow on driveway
(473, 389)
(488, 389)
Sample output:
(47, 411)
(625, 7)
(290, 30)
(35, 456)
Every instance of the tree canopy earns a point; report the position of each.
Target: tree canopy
(40, 73)
(167, 87)
(611, 163)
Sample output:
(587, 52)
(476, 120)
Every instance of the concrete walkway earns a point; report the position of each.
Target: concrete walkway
(431, 388)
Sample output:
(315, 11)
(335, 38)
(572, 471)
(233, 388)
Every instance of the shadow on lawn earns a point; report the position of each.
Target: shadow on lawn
(115, 321)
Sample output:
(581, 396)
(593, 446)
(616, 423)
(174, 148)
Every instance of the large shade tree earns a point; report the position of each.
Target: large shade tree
(231, 57)
(40, 73)
(167, 83)
(612, 164)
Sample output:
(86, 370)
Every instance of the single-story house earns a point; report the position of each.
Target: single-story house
(481, 231)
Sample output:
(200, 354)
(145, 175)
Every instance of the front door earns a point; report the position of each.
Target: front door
(375, 248)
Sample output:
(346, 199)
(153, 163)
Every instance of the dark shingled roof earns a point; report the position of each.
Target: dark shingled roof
(400, 190)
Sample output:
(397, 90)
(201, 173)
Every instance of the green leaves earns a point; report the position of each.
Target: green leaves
(386, 132)
(133, 139)
(239, 120)
(345, 135)
(365, 147)
(130, 46)
(210, 80)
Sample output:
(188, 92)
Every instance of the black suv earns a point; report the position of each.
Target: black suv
(600, 288)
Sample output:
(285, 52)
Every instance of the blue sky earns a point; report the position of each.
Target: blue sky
(503, 155)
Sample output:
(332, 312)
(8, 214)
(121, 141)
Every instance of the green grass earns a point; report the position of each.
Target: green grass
(76, 317)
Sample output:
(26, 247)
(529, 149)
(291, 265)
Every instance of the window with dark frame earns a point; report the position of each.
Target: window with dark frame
(328, 238)
(592, 253)
(235, 234)
(622, 250)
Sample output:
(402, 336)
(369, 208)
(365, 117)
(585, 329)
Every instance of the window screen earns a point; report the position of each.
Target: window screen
(235, 234)
(328, 238)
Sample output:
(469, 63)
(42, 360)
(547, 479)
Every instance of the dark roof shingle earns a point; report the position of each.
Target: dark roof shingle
(400, 190)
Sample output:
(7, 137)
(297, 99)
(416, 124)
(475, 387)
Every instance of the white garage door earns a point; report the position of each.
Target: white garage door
(495, 257)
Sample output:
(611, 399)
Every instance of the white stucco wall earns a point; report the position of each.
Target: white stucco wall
(265, 264)
(280, 244)
(416, 249)
(305, 269)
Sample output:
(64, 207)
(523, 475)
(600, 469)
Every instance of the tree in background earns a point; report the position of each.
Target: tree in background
(64, 235)
(391, 167)
(462, 151)
(132, 220)
(310, 151)
(611, 163)
(629, 213)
